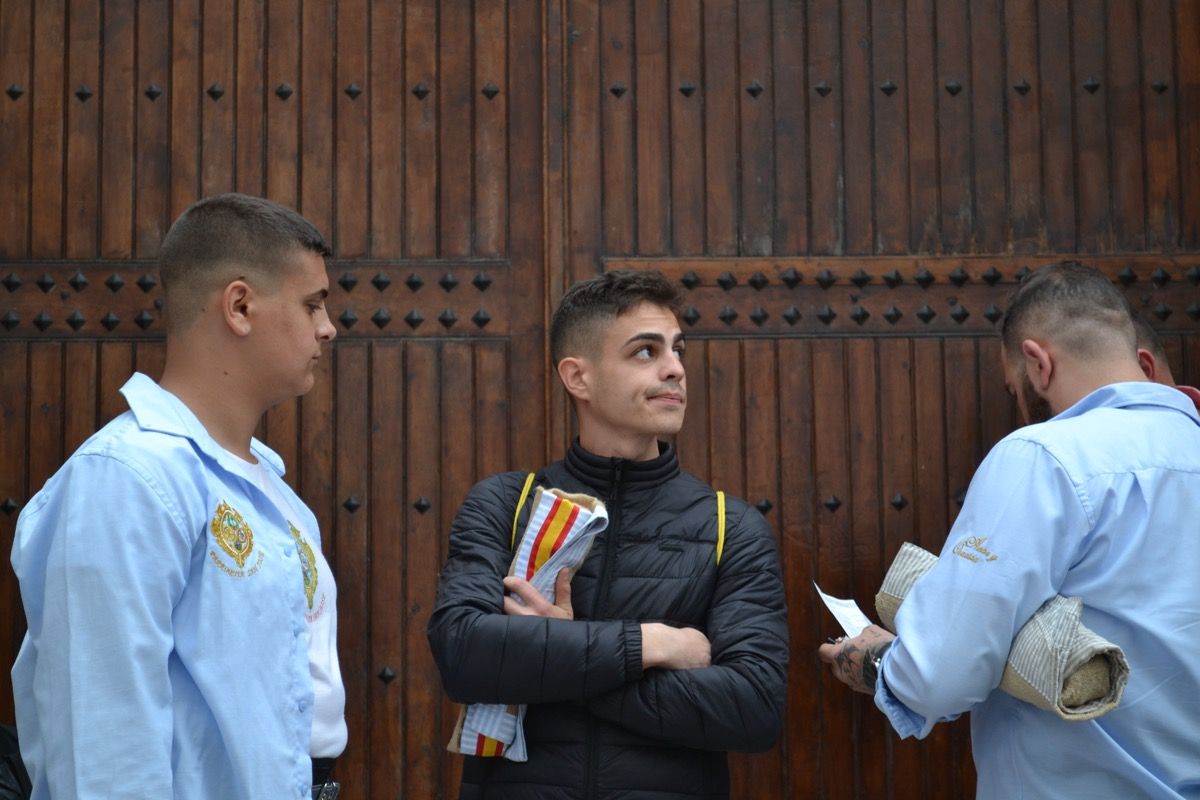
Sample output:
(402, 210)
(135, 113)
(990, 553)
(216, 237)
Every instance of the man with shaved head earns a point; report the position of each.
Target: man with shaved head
(1095, 498)
(669, 646)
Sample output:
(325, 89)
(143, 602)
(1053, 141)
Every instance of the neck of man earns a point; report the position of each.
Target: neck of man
(1078, 379)
(213, 389)
(617, 444)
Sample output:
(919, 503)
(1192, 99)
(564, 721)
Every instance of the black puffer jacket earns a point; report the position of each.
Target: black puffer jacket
(597, 725)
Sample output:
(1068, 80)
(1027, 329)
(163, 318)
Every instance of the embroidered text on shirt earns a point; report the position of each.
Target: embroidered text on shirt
(974, 544)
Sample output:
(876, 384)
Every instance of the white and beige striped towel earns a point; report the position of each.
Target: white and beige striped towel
(1056, 663)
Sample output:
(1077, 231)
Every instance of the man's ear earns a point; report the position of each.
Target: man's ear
(1148, 363)
(575, 374)
(1039, 364)
(236, 299)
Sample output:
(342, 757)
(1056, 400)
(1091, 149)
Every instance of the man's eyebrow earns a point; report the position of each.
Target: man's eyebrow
(320, 294)
(646, 336)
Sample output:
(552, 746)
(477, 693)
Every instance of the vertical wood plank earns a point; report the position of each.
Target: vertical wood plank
(218, 66)
(79, 393)
(115, 367)
(492, 453)
(386, 97)
(152, 154)
(317, 104)
(688, 97)
(1054, 89)
(282, 434)
(725, 416)
(584, 99)
(890, 134)
(15, 127)
(923, 188)
(83, 129)
(1091, 132)
(954, 126)
(351, 542)
(986, 91)
(825, 128)
(721, 104)
(998, 414)
(692, 440)
(420, 128)
(652, 135)
(388, 565)
(14, 485)
(45, 411)
(491, 140)
(1187, 92)
(527, 234)
(282, 161)
(117, 135)
(617, 99)
(798, 552)
(864, 506)
(838, 744)
(149, 358)
(352, 156)
(186, 93)
(1124, 90)
(858, 100)
(756, 149)
(316, 474)
(1024, 127)
(1162, 154)
(249, 96)
(455, 105)
(424, 532)
(791, 98)
(46, 154)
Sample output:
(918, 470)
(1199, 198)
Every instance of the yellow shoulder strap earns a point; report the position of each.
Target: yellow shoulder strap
(720, 525)
(521, 504)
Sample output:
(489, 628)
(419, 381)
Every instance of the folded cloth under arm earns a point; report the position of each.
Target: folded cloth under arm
(1056, 663)
(559, 533)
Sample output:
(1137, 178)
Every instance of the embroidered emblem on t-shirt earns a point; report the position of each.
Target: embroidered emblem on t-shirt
(308, 564)
(234, 536)
(972, 549)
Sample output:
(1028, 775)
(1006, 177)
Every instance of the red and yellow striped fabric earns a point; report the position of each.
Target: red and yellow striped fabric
(552, 534)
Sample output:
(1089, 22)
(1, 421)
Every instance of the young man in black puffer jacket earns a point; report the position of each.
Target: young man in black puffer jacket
(662, 653)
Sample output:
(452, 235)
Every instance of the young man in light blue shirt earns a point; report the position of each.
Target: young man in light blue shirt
(1096, 499)
(181, 622)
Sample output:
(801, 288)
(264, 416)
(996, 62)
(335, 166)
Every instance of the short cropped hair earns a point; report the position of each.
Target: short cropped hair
(1073, 305)
(225, 237)
(589, 304)
(1147, 338)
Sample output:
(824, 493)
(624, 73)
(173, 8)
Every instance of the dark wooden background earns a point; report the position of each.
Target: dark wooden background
(847, 189)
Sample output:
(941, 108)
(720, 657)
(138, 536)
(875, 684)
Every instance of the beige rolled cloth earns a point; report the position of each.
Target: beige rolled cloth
(1056, 663)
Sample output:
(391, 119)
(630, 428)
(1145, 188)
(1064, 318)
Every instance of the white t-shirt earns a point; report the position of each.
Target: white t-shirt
(329, 694)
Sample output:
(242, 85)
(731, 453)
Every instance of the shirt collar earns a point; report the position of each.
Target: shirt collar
(1134, 393)
(156, 409)
(605, 474)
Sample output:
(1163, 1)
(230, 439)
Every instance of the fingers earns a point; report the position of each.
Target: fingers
(530, 603)
(562, 592)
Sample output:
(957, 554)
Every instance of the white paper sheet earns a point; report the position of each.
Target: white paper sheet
(847, 613)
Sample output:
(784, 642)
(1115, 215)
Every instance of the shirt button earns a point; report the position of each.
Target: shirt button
(287, 551)
(296, 630)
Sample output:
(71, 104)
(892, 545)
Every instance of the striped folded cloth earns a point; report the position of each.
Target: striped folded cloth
(1056, 663)
(559, 533)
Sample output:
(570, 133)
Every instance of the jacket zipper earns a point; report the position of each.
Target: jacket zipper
(610, 557)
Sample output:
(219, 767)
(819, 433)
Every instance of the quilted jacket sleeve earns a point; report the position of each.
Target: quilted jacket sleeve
(485, 656)
(737, 703)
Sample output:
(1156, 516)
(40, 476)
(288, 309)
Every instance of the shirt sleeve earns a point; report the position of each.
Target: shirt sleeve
(486, 656)
(108, 561)
(1020, 527)
(737, 703)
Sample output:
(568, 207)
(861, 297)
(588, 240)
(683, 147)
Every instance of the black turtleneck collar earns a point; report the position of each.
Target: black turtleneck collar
(601, 472)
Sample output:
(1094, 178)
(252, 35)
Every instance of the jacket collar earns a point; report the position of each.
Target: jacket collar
(604, 474)
(156, 409)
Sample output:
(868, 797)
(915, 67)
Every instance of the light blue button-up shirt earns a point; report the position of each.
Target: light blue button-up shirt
(167, 651)
(1102, 503)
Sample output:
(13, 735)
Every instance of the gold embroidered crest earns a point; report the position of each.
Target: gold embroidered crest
(972, 549)
(308, 564)
(232, 533)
